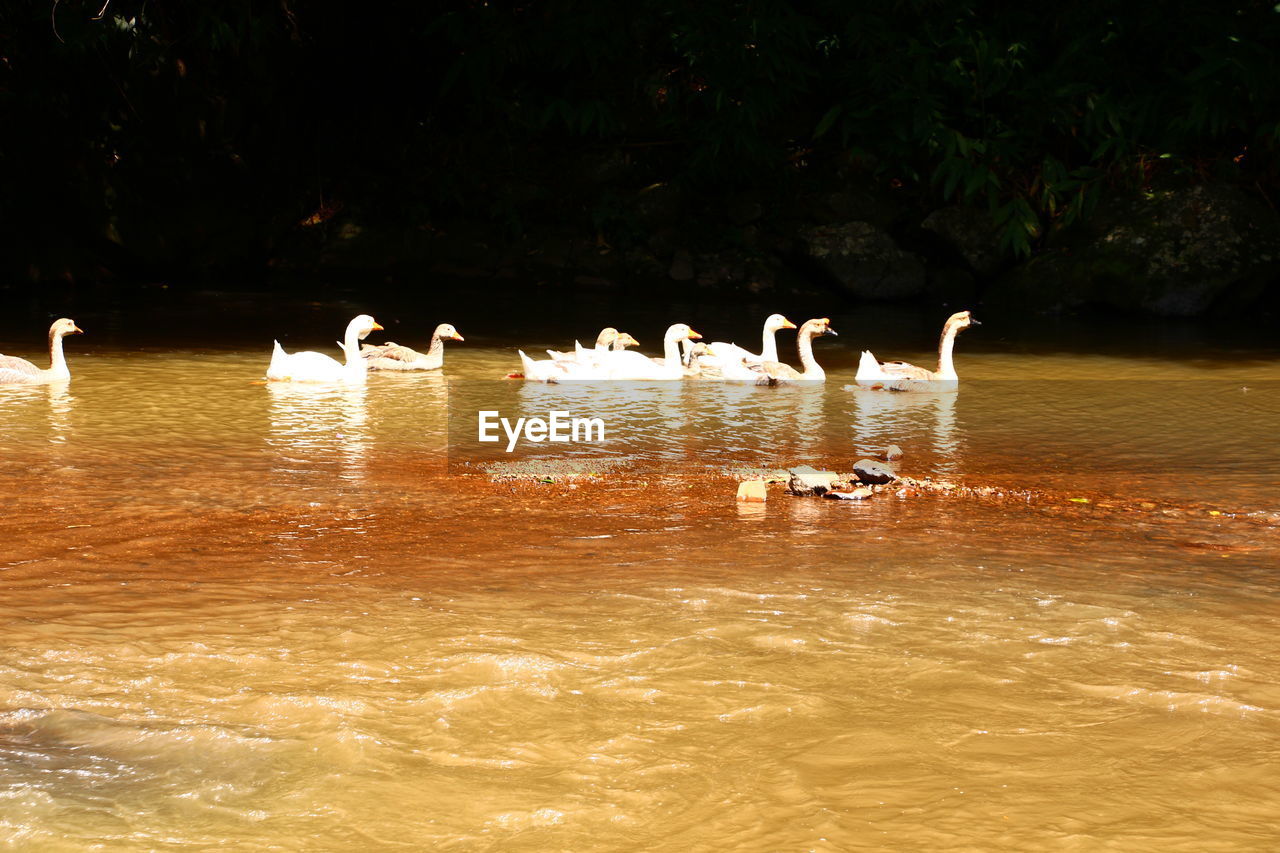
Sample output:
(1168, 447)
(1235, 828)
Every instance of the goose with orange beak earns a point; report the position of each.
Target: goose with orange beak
(393, 356)
(318, 367)
(19, 371)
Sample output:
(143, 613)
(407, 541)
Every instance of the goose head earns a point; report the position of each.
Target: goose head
(776, 322)
(961, 321)
(64, 327)
(625, 340)
(606, 337)
(362, 325)
(819, 326)
(681, 332)
(446, 331)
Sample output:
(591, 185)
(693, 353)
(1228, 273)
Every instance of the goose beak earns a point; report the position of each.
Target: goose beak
(830, 331)
(376, 327)
(694, 336)
(76, 330)
(973, 322)
(458, 338)
(787, 324)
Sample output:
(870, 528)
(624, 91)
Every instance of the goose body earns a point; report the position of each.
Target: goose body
(19, 371)
(633, 365)
(393, 356)
(582, 363)
(768, 343)
(777, 373)
(318, 367)
(901, 376)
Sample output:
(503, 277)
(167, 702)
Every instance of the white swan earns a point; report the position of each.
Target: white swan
(318, 367)
(900, 376)
(19, 371)
(777, 373)
(393, 356)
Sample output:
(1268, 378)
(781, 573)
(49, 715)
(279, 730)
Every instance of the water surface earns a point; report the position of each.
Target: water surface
(251, 617)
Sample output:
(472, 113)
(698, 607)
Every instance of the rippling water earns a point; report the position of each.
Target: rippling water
(241, 616)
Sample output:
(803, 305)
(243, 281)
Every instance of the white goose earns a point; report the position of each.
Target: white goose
(768, 343)
(318, 367)
(633, 365)
(730, 361)
(19, 371)
(777, 373)
(609, 339)
(900, 376)
(580, 364)
(393, 356)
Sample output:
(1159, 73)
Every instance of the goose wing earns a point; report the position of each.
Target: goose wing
(19, 365)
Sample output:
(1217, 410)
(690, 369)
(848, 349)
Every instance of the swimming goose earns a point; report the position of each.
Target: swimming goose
(393, 356)
(609, 340)
(775, 372)
(768, 343)
(900, 376)
(582, 363)
(318, 367)
(19, 371)
(633, 365)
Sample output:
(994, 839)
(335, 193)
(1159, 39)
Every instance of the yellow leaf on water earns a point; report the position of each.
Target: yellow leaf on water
(1214, 512)
(1079, 500)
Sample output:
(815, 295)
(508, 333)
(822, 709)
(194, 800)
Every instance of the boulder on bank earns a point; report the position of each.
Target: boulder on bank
(864, 260)
(972, 234)
(1173, 252)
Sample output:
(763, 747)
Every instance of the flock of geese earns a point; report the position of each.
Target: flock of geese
(684, 356)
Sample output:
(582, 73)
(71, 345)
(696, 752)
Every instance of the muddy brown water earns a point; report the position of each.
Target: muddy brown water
(247, 617)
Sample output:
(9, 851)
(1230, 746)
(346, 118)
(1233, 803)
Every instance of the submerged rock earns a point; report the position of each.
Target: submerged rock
(862, 493)
(871, 471)
(807, 482)
(891, 453)
(752, 491)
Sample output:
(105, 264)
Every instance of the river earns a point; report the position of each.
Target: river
(249, 617)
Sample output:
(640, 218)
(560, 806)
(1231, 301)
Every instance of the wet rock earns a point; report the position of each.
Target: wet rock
(752, 491)
(865, 260)
(871, 471)
(891, 453)
(1171, 252)
(807, 482)
(862, 493)
(971, 233)
(681, 267)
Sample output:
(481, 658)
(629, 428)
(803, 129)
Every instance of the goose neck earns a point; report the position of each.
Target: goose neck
(57, 360)
(769, 345)
(810, 364)
(946, 367)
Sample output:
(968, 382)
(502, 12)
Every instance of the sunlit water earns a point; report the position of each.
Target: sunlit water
(259, 617)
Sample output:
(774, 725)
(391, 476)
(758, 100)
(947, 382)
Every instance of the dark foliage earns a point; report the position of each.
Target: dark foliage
(165, 136)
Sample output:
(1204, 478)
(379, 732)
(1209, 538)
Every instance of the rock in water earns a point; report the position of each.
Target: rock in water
(752, 491)
(862, 493)
(871, 471)
(891, 453)
(806, 481)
